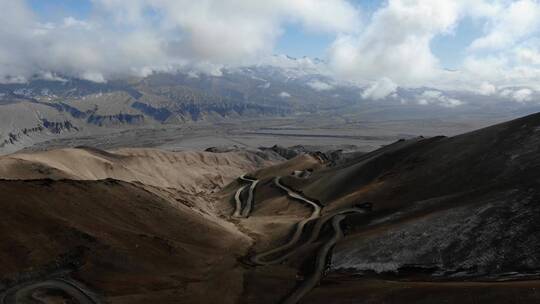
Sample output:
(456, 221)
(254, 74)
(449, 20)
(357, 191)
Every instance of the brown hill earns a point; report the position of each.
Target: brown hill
(462, 209)
(136, 225)
(119, 239)
(453, 220)
(188, 171)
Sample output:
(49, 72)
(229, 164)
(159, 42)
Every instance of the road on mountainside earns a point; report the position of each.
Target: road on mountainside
(240, 209)
(315, 232)
(249, 203)
(245, 178)
(259, 258)
(282, 252)
(238, 202)
(320, 263)
(22, 293)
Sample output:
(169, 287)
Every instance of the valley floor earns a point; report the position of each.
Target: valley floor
(316, 131)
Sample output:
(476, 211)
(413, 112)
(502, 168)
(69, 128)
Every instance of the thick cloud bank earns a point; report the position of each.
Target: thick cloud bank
(383, 49)
(396, 45)
(138, 36)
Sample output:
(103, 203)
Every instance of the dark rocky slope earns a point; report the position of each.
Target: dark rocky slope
(465, 207)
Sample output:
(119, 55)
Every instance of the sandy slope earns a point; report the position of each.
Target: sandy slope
(135, 225)
(191, 172)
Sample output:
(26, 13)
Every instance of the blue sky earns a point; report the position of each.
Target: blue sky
(52, 10)
(451, 48)
(297, 42)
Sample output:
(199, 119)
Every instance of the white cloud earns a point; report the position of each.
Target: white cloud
(134, 37)
(73, 22)
(284, 95)
(430, 97)
(522, 95)
(507, 55)
(295, 66)
(379, 89)
(391, 48)
(519, 19)
(266, 85)
(506, 92)
(326, 15)
(396, 43)
(51, 76)
(487, 88)
(503, 69)
(319, 85)
(530, 56)
(93, 76)
(486, 67)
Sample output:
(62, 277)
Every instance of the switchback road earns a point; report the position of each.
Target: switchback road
(23, 294)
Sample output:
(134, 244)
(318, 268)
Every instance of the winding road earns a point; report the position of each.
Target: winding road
(320, 263)
(294, 244)
(315, 232)
(316, 213)
(243, 177)
(283, 252)
(238, 201)
(240, 209)
(261, 258)
(249, 203)
(23, 293)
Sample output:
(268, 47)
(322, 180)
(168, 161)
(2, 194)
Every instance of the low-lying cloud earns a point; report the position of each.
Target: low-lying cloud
(431, 97)
(318, 85)
(379, 89)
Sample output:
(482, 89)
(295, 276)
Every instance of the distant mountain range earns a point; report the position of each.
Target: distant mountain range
(44, 109)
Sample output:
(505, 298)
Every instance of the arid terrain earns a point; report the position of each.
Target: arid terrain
(420, 220)
(269, 152)
(243, 107)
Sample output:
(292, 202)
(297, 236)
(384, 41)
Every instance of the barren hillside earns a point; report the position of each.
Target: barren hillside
(424, 220)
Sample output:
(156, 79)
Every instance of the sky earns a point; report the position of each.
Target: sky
(485, 46)
(295, 41)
